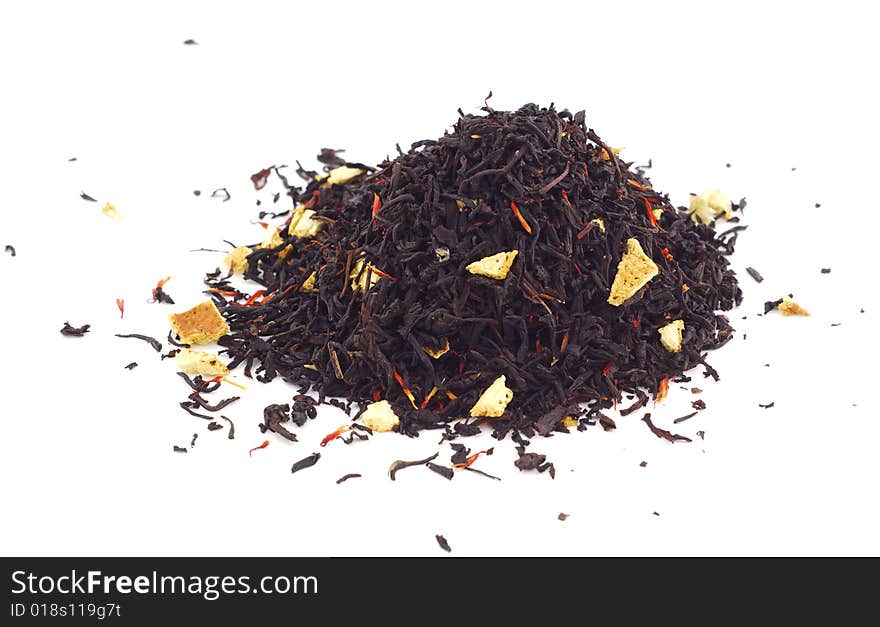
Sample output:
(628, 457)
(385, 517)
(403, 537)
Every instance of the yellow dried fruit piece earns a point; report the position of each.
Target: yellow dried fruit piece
(343, 174)
(600, 223)
(494, 400)
(236, 260)
(494, 266)
(604, 155)
(200, 362)
(272, 239)
(111, 211)
(569, 421)
(670, 335)
(201, 324)
(309, 284)
(380, 417)
(302, 224)
(790, 308)
(633, 273)
(709, 205)
(437, 353)
(359, 279)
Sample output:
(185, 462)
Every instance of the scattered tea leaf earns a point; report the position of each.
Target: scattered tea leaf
(400, 465)
(132, 365)
(85, 196)
(221, 193)
(179, 449)
(156, 344)
(72, 331)
(351, 475)
(754, 274)
(10, 249)
(305, 462)
(663, 433)
(443, 543)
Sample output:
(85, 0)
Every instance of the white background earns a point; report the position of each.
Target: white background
(86, 462)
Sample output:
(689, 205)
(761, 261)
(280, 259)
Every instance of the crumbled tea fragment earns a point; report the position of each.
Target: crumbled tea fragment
(214, 426)
(444, 471)
(159, 294)
(72, 331)
(767, 405)
(231, 427)
(10, 249)
(699, 404)
(826, 270)
(131, 366)
(156, 344)
(197, 192)
(221, 193)
(701, 435)
(85, 196)
(683, 418)
(643, 464)
(190, 42)
(754, 274)
(443, 543)
(305, 462)
(351, 475)
(562, 516)
(663, 433)
(179, 449)
(194, 438)
(770, 305)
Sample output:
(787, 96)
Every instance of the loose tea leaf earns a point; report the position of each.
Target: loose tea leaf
(562, 516)
(663, 433)
(231, 427)
(767, 406)
(132, 365)
(72, 331)
(683, 418)
(351, 475)
(305, 462)
(156, 344)
(214, 426)
(221, 193)
(85, 196)
(443, 543)
(179, 449)
(444, 471)
(400, 465)
(10, 249)
(754, 274)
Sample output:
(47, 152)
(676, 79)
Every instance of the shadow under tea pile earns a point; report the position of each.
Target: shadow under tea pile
(506, 274)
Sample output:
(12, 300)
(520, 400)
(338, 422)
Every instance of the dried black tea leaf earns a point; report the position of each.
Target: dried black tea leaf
(231, 435)
(179, 449)
(767, 406)
(562, 516)
(190, 42)
(72, 331)
(400, 465)
(221, 193)
(443, 543)
(132, 365)
(663, 433)
(156, 344)
(754, 274)
(444, 471)
(699, 404)
(214, 426)
(196, 397)
(85, 196)
(197, 192)
(10, 249)
(826, 270)
(194, 438)
(351, 475)
(683, 418)
(305, 462)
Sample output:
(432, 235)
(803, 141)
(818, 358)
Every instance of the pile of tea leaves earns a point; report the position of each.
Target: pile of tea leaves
(514, 273)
